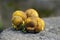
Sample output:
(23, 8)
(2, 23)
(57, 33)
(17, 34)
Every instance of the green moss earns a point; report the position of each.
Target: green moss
(1, 26)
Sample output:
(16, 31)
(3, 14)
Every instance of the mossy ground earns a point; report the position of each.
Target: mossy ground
(1, 26)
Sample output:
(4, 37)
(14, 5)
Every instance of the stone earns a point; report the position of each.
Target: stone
(51, 32)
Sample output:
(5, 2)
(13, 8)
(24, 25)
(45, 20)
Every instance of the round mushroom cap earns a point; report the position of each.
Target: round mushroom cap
(40, 25)
(19, 13)
(35, 24)
(31, 13)
(16, 20)
(30, 23)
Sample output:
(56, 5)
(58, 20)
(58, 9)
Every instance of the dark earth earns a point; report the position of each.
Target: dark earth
(51, 32)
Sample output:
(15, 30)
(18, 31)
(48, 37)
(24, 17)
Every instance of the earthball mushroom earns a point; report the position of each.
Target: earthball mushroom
(18, 18)
(19, 13)
(34, 24)
(31, 13)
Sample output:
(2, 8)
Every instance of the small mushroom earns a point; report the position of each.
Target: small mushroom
(18, 18)
(30, 24)
(19, 13)
(31, 13)
(34, 24)
(17, 21)
(40, 25)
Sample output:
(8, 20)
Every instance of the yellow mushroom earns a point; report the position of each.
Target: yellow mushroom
(16, 22)
(30, 24)
(40, 25)
(31, 13)
(19, 13)
(18, 18)
(34, 24)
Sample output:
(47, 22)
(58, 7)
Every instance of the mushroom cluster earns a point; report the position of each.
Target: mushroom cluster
(28, 21)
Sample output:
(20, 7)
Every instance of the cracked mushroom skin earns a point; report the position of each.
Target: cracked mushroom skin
(31, 13)
(18, 18)
(16, 21)
(40, 25)
(30, 24)
(34, 24)
(19, 13)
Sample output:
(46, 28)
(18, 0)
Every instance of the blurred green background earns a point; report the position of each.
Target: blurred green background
(45, 8)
